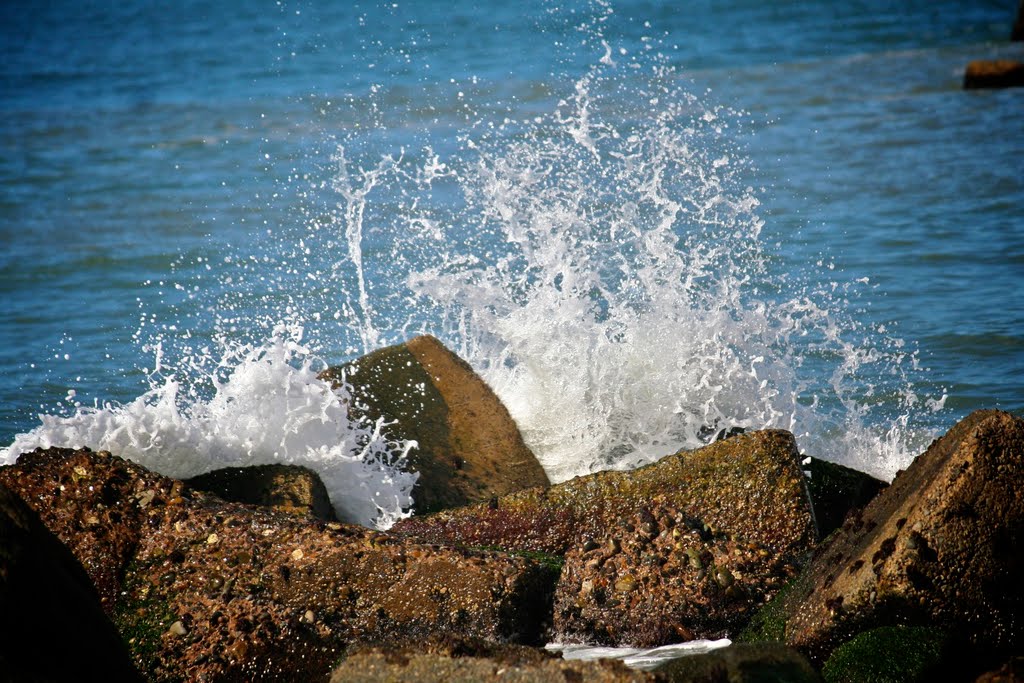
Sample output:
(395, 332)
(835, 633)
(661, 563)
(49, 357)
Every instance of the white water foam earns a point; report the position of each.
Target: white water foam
(267, 406)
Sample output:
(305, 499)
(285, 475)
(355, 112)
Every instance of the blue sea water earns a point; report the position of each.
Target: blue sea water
(634, 218)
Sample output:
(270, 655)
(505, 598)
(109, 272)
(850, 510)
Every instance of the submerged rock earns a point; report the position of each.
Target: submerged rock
(289, 488)
(469, 448)
(741, 663)
(993, 73)
(469, 661)
(202, 588)
(942, 546)
(52, 626)
(684, 548)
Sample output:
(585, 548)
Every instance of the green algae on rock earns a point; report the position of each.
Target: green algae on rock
(893, 654)
(469, 448)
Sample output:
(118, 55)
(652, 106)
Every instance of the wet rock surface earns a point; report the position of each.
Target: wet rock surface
(741, 663)
(289, 488)
(685, 548)
(469, 448)
(441, 661)
(943, 546)
(994, 73)
(836, 490)
(52, 626)
(203, 589)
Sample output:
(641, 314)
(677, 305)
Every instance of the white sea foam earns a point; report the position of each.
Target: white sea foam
(267, 406)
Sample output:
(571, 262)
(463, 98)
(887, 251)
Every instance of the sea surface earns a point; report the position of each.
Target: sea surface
(641, 222)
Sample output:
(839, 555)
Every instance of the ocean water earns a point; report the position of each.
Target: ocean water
(641, 222)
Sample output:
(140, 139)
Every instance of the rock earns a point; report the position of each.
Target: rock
(894, 654)
(1011, 672)
(836, 490)
(1018, 25)
(469, 448)
(741, 663)
(943, 546)
(52, 626)
(225, 591)
(471, 661)
(290, 488)
(684, 548)
(994, 73)
(750, 485)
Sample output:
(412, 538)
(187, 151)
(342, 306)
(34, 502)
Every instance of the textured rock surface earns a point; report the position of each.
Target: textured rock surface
(749, 485)
(685, 548)
(472, 660)
(469, 448)
(741, 663)
(52, 626)
(994, 73)
(895, 654)
(202, 588)
(289, 488)
(942, 546)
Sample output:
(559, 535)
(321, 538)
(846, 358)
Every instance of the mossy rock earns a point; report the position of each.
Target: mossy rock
(468, 447)
(891, 654)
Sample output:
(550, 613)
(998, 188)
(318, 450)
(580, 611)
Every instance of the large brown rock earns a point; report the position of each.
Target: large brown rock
(684, 548)
(469, 448)
(52, 626)
(943, 546)
(209, 590)
(474, 661)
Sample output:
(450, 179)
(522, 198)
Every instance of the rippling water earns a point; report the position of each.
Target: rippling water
(845, 260)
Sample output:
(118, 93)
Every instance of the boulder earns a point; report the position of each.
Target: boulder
(52, 626)
(993, 73)
(469, 661)
(469, 448)
(943, 546)
(741, 663)
(209, 589)
(835, 491)
(895, 654)
(683, 548)
(1010, 672)
(289, 488)
(1018, 25)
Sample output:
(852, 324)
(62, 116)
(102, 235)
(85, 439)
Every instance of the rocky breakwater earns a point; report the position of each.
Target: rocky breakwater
(685, 548)
(468, 447)
(934, 562)
(203, 589)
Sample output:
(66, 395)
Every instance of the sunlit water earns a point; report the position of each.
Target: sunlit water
(637, 226)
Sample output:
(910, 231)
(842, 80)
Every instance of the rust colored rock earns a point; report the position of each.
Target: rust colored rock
(472, 661)
(469, 448)
(994, 73)
(684, 548)
(942, 546)
(52, 626)
(750, 485)
(289, 488)
(741, 663)
(223, 591)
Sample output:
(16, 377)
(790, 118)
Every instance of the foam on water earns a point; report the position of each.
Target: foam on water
(267, 406)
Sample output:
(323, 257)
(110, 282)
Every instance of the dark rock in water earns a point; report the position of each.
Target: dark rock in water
(209, 590)
(289, 488)
(52, 626)
(943, 546)
(684, 548)
(895, 654)
(1018, 25)
(469, 448)
(472, 661)
(741, 663)
(836, 490)
(994, 73)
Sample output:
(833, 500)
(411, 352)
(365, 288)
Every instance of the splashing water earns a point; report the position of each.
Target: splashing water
(600, 265)
(267, 406)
